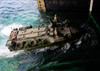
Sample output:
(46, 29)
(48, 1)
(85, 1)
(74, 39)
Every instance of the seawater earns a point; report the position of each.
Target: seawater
(14, 14)
(79, 55)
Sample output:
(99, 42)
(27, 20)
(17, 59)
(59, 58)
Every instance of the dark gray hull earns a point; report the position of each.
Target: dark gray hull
(67, 5)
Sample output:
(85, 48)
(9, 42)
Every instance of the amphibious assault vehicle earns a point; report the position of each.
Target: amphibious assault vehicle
(41, 36)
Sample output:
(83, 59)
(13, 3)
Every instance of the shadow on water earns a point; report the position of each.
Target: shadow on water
(80, 54)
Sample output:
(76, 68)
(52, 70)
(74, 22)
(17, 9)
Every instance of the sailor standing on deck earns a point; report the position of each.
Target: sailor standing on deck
(55, 26)
(55, 18)
(55, 33)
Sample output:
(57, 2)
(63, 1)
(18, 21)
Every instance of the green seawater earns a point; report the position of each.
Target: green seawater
(8, 64)
(82, 54)
(14, 14)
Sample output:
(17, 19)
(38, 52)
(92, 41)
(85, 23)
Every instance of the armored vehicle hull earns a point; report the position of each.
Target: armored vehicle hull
(29, 37)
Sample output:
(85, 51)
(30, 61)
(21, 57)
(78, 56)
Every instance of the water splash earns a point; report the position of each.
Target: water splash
(6, 30)
(6, 53)
(1, 25)
(14, 14)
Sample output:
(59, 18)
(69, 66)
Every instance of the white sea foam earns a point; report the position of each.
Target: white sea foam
(79, 42)
(12, 54)
(1, 25)
(6, 30)
(6, 53)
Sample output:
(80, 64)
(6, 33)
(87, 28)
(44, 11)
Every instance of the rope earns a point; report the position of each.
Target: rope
(94, 21)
